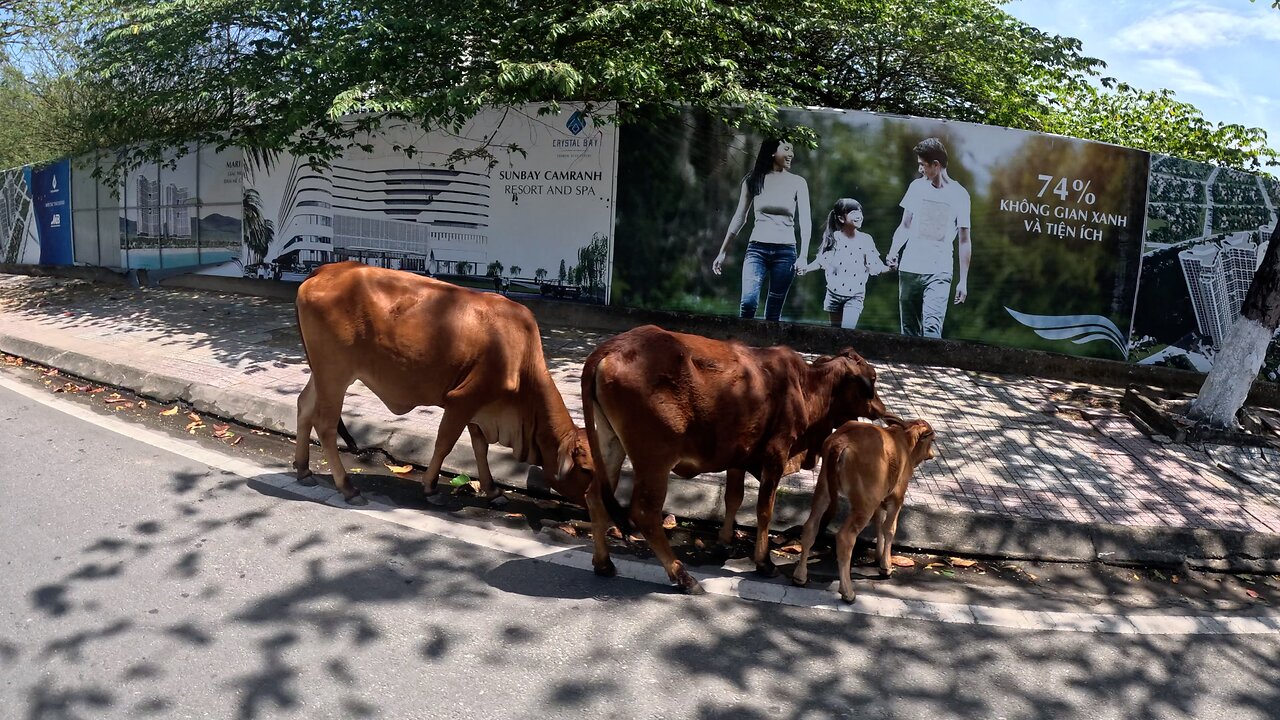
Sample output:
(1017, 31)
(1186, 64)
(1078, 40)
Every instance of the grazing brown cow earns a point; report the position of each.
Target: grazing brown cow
(672, 401)
(416, 341)
(871, 465)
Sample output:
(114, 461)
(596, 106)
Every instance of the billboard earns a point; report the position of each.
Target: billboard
(19, 241)
(514, 200)
(892, 224)
(1207, 231)
(51, 188)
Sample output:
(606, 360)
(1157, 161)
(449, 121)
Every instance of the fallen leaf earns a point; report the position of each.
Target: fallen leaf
(51, 372)
(947, 573)
(399, 469)
(1157, 575)
(221, 428)
(514, 516)
(193, 426)
(962, 562)
(932, 565)
(194, 417)
(614, 533)
(237, 440)
(1033, 577)
(115, 399)
(222, 434)
(459, 480)
(1252, 593)
(142, 404)
(356, 471)
(122, 405)
(259, 432)
(475, 486)
(113, 396)
(1175, 579)
(171, 411)
(669, 522)
(568, 529)
(902, 561)
(95, 391)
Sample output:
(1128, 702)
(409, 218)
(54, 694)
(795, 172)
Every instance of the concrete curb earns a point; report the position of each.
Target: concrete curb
(702, 498)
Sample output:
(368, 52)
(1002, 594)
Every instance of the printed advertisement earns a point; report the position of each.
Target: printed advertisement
(516, 201)
(1207, 231)
(19, 241)
(893, 224)
(51, 185)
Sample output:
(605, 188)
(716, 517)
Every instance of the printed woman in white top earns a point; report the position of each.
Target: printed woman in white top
(781, 202)
(849, 258)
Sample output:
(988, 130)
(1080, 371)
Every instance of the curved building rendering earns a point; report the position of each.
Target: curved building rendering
(424, 219)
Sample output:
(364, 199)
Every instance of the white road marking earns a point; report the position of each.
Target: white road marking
(868, 603)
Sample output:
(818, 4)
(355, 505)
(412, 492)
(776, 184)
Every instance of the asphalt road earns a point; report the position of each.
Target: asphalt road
(137, 583)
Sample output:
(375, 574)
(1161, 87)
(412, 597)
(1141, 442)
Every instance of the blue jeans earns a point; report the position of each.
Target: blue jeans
(779, 262)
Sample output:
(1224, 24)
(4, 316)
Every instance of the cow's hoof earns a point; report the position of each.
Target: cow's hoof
(767, 569)
(498, 501)
(848, 599)
(437, 498)
(608, 569)
(307, 480)
(886, 573)
(357, 500)
(799, 582)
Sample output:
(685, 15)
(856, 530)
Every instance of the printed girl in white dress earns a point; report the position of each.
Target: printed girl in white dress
(849, 257)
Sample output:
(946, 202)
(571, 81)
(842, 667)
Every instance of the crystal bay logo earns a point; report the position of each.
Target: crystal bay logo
(1079, 329)
(576, 123)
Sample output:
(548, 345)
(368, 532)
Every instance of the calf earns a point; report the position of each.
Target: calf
(416, 341)
(686, 403)
(871, 466)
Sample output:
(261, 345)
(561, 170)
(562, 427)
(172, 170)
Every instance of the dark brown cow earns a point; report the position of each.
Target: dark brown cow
(416, 341)
(672, 401)
(871, 466)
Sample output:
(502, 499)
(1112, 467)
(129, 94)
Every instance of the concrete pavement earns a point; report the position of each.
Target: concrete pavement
(1028, 468)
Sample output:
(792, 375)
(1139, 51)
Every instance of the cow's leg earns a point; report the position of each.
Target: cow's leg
(600, 521)
(818, 519)
(480, 444)
(326, 411)
(302, 443)
(734, 481)
(647, 498)
(447, 435)
(846, 538)
(886, 527)
(764, 515)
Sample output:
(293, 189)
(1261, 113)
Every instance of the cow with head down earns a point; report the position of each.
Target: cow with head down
(416, 341)
(689, 404)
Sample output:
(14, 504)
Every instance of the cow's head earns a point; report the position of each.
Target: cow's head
(575, 469)
(853, 393)
(919, 436)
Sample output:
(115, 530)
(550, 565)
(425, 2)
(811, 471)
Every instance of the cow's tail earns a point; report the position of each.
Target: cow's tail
(343, 432)
(603, 483)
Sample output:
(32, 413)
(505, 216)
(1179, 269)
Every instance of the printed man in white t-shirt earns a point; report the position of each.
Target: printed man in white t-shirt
(935, 212)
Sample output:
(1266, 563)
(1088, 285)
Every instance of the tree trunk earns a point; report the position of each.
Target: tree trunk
(1237, 365)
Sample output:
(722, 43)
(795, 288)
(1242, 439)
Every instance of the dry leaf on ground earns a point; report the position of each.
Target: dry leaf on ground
(902, 561)
(237, 440)
(962, 562)
(792, 549)
(192, 427)
(398, 469)
(171, 411)
(568, 529)
(669, 522)
(194, 417)
(1252, 593)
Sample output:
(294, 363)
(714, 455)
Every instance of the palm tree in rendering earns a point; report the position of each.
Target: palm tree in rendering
(258, 230)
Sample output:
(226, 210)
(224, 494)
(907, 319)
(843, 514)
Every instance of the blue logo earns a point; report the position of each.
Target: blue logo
(576, 122)
(1079, 329)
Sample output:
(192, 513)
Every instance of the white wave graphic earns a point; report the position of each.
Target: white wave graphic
(1079, 329)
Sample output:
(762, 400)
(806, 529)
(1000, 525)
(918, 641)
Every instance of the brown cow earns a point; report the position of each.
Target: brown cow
(687, 403)
(871, 466)
(417, 341)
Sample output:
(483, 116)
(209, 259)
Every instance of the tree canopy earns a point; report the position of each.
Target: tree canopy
(281, 74)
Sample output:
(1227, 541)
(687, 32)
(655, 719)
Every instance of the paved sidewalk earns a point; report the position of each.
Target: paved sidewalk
(1026, 467)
